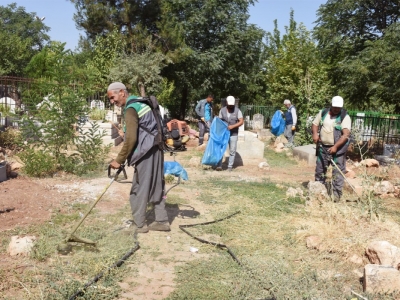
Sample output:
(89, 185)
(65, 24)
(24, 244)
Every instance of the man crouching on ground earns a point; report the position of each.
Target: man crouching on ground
(141, 151)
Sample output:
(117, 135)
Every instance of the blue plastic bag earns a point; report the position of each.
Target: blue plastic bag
(175, 168)
(217, 143)
(277, 123)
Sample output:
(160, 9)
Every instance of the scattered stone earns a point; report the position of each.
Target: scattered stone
(317, 191)
(359, 272)
(16, 166)
(350, 174)
(383, 279)
(313, 242)
(263, 166)
(280, 146)
(294, 192)
(355, 259)
(383, 187)
(195, 161)
(21, 245)
(202, 147)
(370, 162)
(383, 253)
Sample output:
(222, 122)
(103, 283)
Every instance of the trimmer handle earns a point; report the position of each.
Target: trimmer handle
(120, 169)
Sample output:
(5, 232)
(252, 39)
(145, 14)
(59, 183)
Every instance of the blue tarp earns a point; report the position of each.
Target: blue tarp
(217, 143)
(175, 168)
(277, 123)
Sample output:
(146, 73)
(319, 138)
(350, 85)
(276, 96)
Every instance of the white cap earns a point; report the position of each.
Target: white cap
(116, 86)
(337, 101)
(286, 102)
(230, 100)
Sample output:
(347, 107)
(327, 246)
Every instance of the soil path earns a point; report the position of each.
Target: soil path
(153, 265)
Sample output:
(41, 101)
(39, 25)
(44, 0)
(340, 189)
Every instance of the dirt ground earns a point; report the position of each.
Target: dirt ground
(25, 201)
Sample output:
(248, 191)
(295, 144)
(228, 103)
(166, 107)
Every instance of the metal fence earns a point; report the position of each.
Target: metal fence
(249, 111)
(378, 131)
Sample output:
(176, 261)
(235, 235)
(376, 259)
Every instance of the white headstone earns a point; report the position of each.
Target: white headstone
(258, 122)
(97, 104)
(8, 102)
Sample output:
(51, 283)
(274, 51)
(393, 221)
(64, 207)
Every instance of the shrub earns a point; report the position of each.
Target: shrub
(38, 163)
(10, 138)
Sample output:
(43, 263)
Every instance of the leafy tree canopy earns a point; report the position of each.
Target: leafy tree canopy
(22, 35)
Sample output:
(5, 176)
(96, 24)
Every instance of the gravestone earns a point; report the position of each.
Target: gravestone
(258, 122)
(97, 104)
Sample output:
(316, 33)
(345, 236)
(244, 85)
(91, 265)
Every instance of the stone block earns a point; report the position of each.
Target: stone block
(306, 153)
(381, 279)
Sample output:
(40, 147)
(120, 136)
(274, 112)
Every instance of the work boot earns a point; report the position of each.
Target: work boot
(229, 169)
(143, 229)
(160, 226)
(218, 168)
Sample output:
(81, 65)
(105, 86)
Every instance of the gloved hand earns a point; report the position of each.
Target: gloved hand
(293, 127)
(202, 119)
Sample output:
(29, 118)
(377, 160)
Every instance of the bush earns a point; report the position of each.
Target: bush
(97, 114)
(10, 138)
(38, 163)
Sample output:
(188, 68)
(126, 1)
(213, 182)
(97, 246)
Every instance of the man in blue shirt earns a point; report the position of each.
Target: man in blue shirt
(204, 112)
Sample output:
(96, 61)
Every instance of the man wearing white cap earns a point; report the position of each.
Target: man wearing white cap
(331, 132)
(290, 121)
(140, 150)
(234, 117)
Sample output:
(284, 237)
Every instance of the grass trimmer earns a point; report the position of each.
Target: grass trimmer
(65, 247)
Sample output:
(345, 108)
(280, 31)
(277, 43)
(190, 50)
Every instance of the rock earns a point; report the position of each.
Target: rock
(317, 191)
(279, 150)
(370, 162)
(355, 259)
(294, 192)
(202, 147)
(263, 166)
(313, 242)
(16, 166)
(2, 157)
(383, 279)
(279, 146)
(195, 161)
(350, 174)
(383, 253)
(359, 272)
(21, 245)
(383, 187)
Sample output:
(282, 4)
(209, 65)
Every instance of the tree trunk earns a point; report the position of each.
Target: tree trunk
(142, 90)
(184, 101)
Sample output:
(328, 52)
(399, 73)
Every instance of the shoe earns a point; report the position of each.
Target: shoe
(229, 169)
(160, 226)
(218, 168)
(336, 199)
(143, 229)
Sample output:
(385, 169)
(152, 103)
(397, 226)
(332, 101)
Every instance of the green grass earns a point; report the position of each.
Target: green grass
(275, 263)
(276, 159)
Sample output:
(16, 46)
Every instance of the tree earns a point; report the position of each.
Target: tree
(371, 78)
(212, 48)
(135, 19)
(294, 70)
(142, 71)
(22, 35)
(344, 28)
(50, 131)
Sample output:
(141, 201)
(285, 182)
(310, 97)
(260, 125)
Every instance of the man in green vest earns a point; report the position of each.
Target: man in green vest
(141, 151)
(331, 132)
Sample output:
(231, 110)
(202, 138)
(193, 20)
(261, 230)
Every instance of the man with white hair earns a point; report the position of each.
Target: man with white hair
(290, 121)
(331, 132)
(140, 150)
